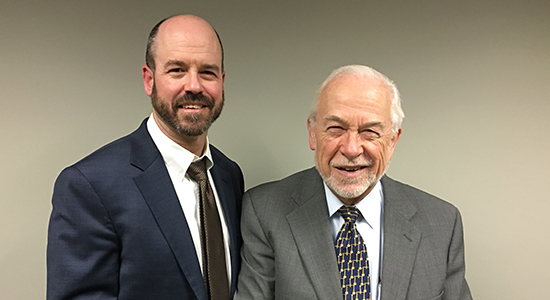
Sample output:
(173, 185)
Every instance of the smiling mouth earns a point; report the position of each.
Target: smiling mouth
(193, 106)
(350, 169)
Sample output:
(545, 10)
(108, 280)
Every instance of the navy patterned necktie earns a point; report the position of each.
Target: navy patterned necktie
(351, 254)
(213, 253)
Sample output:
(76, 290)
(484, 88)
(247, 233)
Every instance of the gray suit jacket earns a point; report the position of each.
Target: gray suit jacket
(288, 250)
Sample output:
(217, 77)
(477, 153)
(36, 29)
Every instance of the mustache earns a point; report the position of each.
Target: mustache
(193, 99)
(358, 161)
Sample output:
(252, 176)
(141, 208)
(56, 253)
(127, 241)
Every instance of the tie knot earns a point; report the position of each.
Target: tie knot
(349, 213)
(197, 170)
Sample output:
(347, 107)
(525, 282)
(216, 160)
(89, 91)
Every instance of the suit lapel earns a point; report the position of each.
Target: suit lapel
(401, 240)
(157, 190)
(313, 236)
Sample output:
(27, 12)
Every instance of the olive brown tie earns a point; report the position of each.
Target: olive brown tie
(212, 242)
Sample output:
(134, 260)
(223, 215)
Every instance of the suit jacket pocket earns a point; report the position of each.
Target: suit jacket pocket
(438, 297)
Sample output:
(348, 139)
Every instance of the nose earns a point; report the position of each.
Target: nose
(192, 83)
(351, 145)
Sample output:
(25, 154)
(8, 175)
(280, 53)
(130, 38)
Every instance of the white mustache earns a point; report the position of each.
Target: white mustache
(346, 163)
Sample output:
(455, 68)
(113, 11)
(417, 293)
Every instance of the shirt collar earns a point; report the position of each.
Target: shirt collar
(175, 156)
(370, 206)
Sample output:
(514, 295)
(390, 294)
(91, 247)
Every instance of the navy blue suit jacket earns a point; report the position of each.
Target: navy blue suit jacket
(117, 230)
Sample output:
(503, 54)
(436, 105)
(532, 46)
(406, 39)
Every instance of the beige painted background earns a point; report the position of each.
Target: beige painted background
(474, 75)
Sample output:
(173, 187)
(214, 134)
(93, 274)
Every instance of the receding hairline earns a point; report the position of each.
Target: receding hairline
(331, 80)
(152, 43)
(362, 71)
(357, 71)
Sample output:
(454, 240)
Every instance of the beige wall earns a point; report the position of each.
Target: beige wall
(474, 76)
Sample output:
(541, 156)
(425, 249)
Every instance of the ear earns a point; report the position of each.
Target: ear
(393, 142)
(148, 80)
(312, 138)
(223, 81)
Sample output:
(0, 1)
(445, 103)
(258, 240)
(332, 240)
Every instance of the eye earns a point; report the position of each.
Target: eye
(175, 70)
(370, 134)
(210, 75)
(335, 130)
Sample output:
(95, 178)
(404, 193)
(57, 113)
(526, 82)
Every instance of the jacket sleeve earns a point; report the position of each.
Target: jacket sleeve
(456, 286)
(257, 275)
(83, 248)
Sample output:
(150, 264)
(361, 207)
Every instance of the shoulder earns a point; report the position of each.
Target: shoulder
(274, 200)
(403, 196)
(117, 150)
(223, 164)
(297, 183)
(116, 155)
(222, 160)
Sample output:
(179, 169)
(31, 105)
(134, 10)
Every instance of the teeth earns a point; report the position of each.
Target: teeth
(351, 169)
(193, 106)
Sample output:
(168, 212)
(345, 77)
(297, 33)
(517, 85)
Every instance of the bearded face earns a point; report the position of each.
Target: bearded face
(188, 115)
(352, 135)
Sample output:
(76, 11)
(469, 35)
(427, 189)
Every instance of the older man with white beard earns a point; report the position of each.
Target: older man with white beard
(344, 230)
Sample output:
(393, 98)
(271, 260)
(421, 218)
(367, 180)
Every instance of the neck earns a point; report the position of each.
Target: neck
(194, 144)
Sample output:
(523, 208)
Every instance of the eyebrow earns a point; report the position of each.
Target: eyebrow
(335, 119)
(342, 121)
(174, 62)
(179, 63)
(211, 67)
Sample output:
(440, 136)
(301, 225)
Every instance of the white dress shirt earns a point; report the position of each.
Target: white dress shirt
(177, 160)
(369, 225)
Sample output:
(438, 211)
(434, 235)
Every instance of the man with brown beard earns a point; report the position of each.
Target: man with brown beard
(132, 220)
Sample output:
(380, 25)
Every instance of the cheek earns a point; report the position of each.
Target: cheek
(214, 90)
(323, 162)
(376, 151)
(327, 146)
(166, 89)
(325, 150)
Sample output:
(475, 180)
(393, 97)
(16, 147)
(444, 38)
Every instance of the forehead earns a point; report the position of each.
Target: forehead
(188, 36)
(355, 96)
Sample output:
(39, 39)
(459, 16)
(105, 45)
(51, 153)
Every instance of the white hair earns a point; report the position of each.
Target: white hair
(397, 114)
